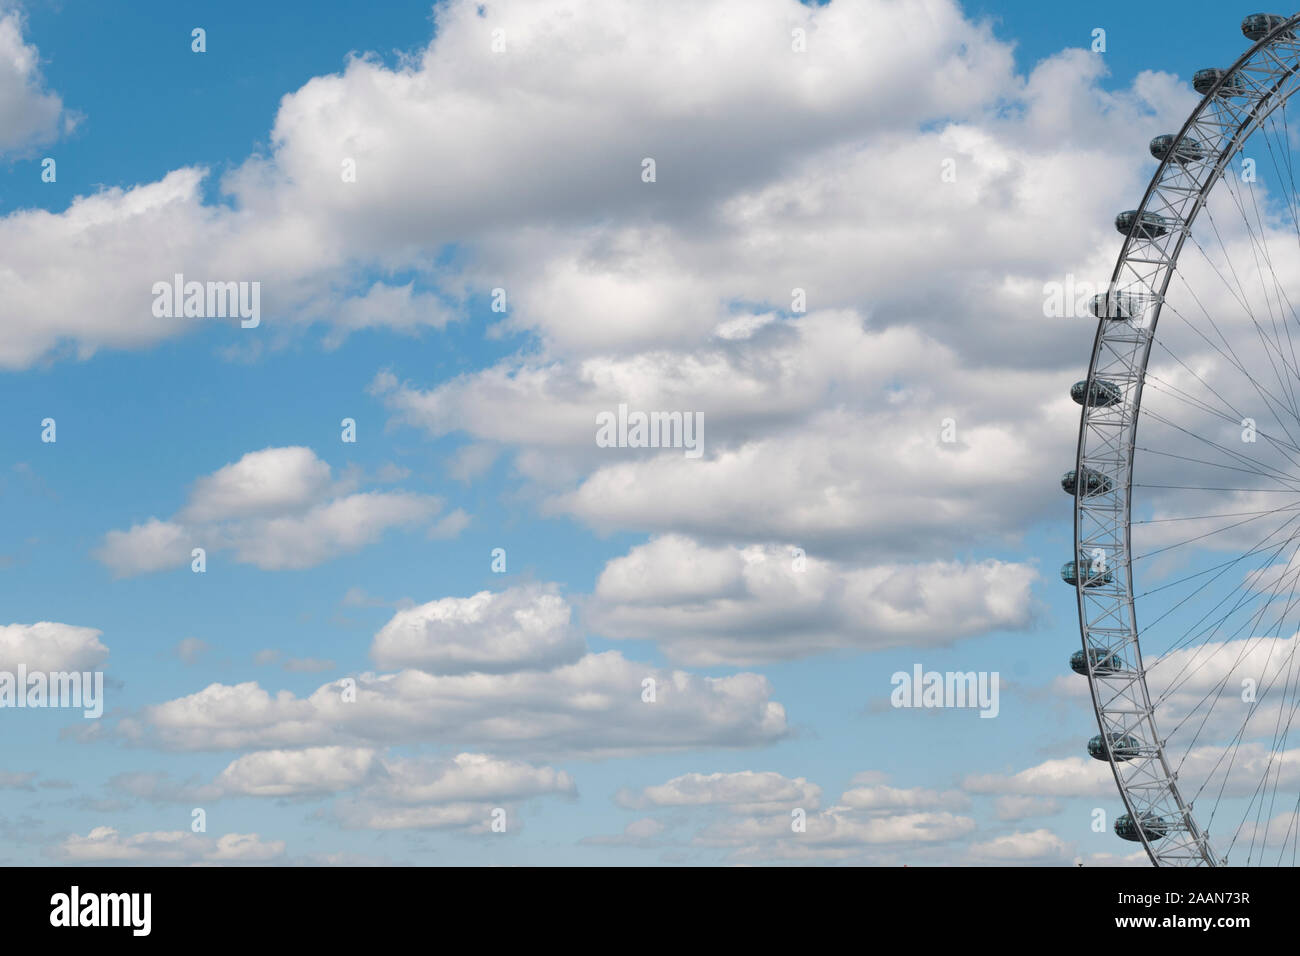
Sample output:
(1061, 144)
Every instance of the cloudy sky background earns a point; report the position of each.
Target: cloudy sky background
(776, 170)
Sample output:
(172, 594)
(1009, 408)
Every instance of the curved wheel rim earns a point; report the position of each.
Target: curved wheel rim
(1261, 81)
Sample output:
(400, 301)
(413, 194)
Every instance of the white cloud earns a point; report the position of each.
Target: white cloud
(327, 530)
(292, 226)
(744, 792)
(276, 509)
(1201, 689)
(776, 170)
(832, 834)
(106, 845)
(84, 276)
(830, 186)
(463, 792)
(466, 777)
(273, 481)
(282, 773)
(49, 646)
(378, 790)
(29, 113)
(518, 629)
(842, 422)
(737, 605)
(1062, 777)
(152, 546)
(773, 166)
(592, 707)
(880, 797)
(450, 525)
(772, 817)
(1037, 845)
(469, 461)
(473, 817)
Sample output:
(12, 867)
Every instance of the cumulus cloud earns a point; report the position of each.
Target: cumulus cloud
(832, 834)
(1013, 808)
(525, 628)
(276, 509)
(1236, 780)
(1201, 688)
(273, 481)
(831, 187)
(766, 816)
(743, 605)
(1061, 777)
(791, 158)
(843, 423)
(744, 792)
(551, 144)
(107, 845)
(49, 646)
(881, 797)
(838, 412)
(1035, 846)
(375, 789)
(29, 113)
(462, 792)
(282, 773)
(777, 171)
(54, 299)
(592, 707)
(466, 777)
(501, 669)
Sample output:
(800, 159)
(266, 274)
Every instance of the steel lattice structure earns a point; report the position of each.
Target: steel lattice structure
(1240, 100)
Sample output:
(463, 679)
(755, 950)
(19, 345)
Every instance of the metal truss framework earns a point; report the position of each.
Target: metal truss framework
(1261, 81)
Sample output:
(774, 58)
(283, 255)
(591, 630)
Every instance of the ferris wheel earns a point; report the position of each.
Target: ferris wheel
(1187, 528)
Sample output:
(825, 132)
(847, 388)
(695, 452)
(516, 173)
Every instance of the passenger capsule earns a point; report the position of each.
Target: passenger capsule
(1148, 226)
(1259, 25)
(1153, 826)
(1122, 746)
(1094, 483)
(1091, 578)
(1102, 394)
(1206, 80)
(1113, 305)
(1121, 305)
(1103, 662)
(1186, 151)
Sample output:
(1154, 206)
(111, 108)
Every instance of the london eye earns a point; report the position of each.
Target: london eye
(1186, 484)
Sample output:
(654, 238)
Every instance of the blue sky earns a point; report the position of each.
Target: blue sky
(141, 421)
